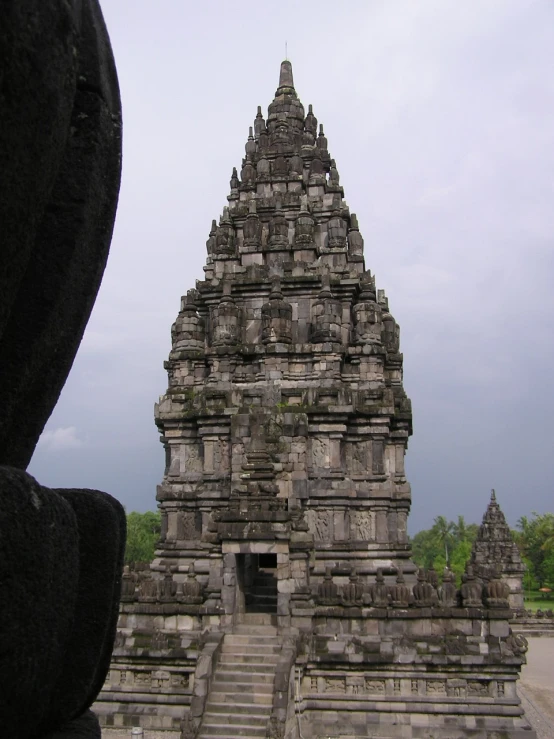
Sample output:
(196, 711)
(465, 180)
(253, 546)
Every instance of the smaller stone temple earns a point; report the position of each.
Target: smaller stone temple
(282, 601)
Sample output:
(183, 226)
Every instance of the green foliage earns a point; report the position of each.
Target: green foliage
(535, 540)
(446, 543)
(143, 532)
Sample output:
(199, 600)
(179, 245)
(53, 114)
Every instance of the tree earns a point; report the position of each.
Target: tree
(535, 540)
(443, 531)
(143, 532)
(445, 544)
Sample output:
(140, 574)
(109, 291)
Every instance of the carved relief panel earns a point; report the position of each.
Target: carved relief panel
(362, 525)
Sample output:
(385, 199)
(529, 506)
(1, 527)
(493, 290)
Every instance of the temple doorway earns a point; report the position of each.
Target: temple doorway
(257, 576)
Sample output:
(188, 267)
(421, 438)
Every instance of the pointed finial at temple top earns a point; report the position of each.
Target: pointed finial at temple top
(285, 75)
(493, 495)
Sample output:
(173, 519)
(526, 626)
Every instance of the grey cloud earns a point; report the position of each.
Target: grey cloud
(440, 115)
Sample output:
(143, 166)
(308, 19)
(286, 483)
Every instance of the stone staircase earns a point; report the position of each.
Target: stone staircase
(241, 696)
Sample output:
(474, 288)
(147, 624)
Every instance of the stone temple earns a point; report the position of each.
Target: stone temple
(282, 601)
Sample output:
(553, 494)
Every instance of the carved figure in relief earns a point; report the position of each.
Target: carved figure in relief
(320, 453)
(362, 526)
(318, 522)
(188, 526)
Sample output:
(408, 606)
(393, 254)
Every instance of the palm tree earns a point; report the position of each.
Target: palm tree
(443, 533)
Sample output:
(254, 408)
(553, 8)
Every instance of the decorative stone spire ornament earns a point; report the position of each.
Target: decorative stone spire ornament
(336, 230)
(225, 235)
(327, 310)
(252, 229)
(471, 590)
(310, 124)
(188, 332)
(211, 242)
(259, 123)
(321, 139)
(367, 313)
(400, 594)
(276, 316)
(328, 592)
(448, 594)
(379, 594)
(225, 319)
(305, 224)
(278, 230)
(425, 594)
(250, 147)
(355, 239)
(286, 82)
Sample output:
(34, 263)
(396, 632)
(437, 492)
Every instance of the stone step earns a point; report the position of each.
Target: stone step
(259, 619)
(230, 735)
(256, 629)
(210, 728)
(245, 717)
(247, 676)
(248, 648)
(253, 659)
(254, 640)
(261, 598)
(223, 693)
(240, 646)
(235, 665)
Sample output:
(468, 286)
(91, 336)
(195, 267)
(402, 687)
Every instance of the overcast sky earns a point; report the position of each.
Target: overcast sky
(440, 115)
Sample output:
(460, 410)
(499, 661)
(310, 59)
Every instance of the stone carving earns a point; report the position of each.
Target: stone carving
(310, 123)
(328, 592)
(252, 229)
(436, 687)
(225, 235)
(192, 589)
(374, 687)
(353, 591)
(188, 332)
(319, 524)
(321, 139)
(304, 229)
(362, 525)
(478, 687)
(336, 231)
(335, 685)
(471, 590)
(248, 174)
(327, 312)
(276, 317)
(448, 594)
(425, 594)
(225, 319)
(497, 592)
(128, 584)
(355, 238)
(400, 594)
(517, 644)
(379, 595)
(278, 231)
(167, 588)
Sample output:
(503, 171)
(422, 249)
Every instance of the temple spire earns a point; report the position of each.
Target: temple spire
(285, 75)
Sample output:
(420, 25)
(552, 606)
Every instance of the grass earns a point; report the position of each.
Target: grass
(533, 600)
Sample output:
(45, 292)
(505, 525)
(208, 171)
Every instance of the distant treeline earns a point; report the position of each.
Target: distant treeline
(445, 544)
(448, 544)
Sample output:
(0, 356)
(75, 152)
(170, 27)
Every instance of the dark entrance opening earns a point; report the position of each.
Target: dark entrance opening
(259, 580)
